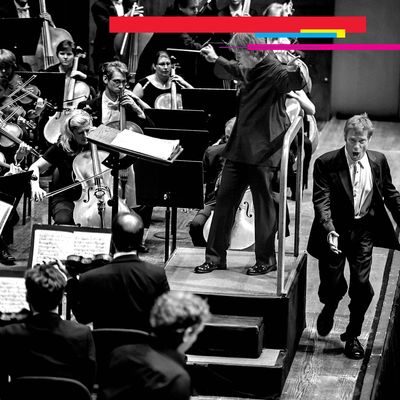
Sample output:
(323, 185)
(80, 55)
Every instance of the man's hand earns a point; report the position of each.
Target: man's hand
(333, 241)
(209, 53)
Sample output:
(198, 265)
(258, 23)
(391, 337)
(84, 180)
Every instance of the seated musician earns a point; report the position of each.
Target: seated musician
(150, 88)
(212, 166)
(44, 344)
(66, 51)
(71, 142)
(196, 70)
(106, 107)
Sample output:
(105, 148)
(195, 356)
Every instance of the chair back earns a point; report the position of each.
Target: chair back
(107, 339)
(47, 388)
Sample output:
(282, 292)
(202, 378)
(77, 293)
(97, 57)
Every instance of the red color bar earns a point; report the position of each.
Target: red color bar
(236, 24)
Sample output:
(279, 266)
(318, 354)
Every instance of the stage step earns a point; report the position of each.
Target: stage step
(237, 376)
(231, 336)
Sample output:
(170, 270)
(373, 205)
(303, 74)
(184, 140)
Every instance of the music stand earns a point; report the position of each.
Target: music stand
(20, 35)
(173, 186)
(177, 119)
(219, 104)
(51, 85)
(194, 142)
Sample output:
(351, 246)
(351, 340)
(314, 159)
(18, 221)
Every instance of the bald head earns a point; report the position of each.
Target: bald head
(127, 231)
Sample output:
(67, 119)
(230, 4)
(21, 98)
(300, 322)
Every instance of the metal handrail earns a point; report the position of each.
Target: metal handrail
(295, 129)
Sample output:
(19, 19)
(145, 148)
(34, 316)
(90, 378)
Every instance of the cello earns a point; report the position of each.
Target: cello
(49, 39)
(172, 100)
(75, 91)
(94, 206)
(243, 230)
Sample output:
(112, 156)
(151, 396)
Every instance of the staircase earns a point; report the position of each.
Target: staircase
(246, 349)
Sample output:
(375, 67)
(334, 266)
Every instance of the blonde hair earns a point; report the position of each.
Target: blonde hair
(359, 123)
(76, 119)
(240, 41)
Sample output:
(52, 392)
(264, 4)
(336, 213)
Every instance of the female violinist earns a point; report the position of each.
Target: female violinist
(158, 83)
(61, 155)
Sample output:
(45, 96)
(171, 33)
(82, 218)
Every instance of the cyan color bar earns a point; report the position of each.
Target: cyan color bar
(296, 35)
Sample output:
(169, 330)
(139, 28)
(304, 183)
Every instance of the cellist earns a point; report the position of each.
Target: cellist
(105, 108)
(61, 155)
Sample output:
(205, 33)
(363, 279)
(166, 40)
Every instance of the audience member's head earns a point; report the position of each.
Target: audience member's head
(127, 231)
(178, 317)
(45, 285)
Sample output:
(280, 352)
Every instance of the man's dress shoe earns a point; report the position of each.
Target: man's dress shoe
(325, 320)
(260, 269)
(352, 348)
(207, 267)
(6, 258)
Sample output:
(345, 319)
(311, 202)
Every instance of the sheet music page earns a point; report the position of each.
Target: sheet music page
(134, 141)
(51, 244)
(5, 210)
(88, 244)
(12, 294)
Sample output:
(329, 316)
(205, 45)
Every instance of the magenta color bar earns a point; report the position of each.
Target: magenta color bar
(342, 46)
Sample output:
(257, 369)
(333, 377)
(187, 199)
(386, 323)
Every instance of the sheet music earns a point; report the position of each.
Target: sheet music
(51, 244)
(88, 244)
(5, 210)
(134, 141)
(12, 294)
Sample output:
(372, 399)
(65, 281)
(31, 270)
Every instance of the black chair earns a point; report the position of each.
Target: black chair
(107, 339)
(47, 388)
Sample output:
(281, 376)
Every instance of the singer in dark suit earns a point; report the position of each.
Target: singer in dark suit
(352, 186)
(122, 293)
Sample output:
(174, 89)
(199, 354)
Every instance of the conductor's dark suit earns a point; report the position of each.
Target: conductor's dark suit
(118, 295)
(46, 345)
(334, 211)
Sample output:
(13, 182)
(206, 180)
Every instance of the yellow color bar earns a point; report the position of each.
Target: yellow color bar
(340, 33)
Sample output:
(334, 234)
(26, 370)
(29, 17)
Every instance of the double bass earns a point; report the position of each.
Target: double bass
(49, 39)
(75, 92)
(128, 46)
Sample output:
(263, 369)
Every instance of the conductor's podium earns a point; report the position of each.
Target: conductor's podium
(246, 349)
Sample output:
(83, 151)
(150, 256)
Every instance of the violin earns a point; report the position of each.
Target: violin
(172, 100)
(75, 92)
(243, 230)
(16, 140)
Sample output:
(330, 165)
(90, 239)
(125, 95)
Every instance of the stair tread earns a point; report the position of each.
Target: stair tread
(268, 358)
(234, 320)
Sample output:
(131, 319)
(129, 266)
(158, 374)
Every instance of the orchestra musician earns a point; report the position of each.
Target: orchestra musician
(234, 8)
(253, 150)
(105, 108)
(195, 70)
(60, 155)
(158, 83)
(102, 10)
(23, 9)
